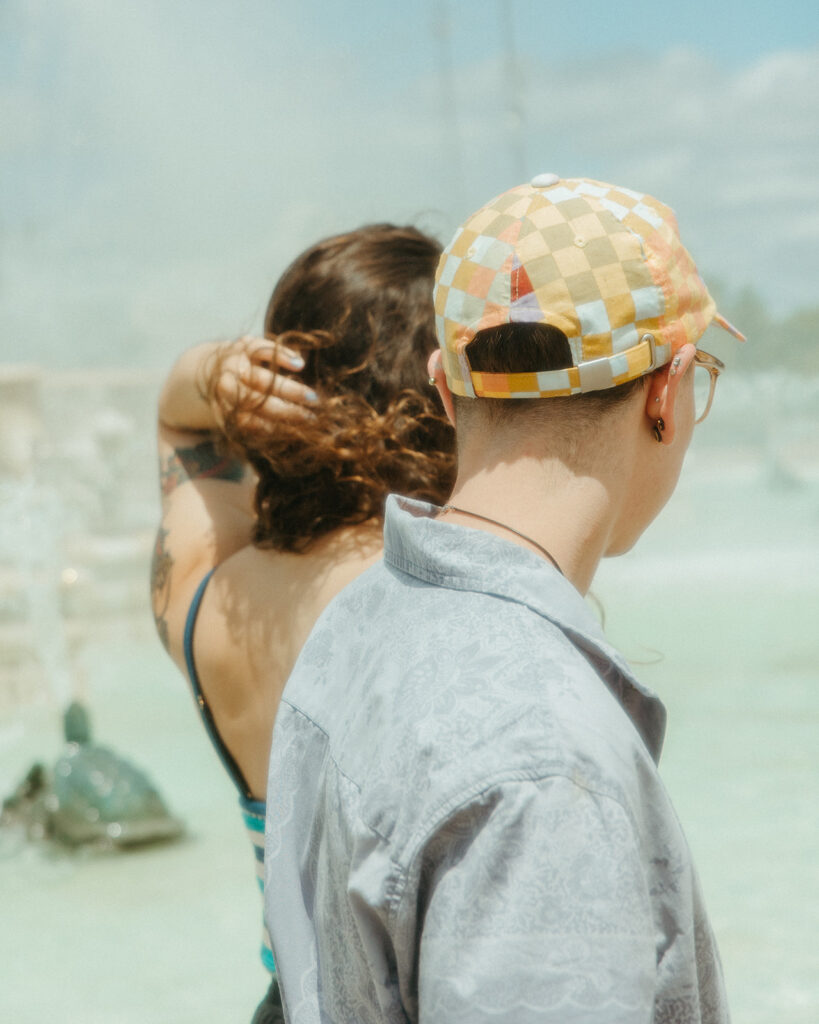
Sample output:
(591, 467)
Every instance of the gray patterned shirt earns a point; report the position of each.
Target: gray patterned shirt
(465, 820)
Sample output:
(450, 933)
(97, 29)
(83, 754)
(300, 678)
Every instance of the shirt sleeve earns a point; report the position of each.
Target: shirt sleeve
(535, 909)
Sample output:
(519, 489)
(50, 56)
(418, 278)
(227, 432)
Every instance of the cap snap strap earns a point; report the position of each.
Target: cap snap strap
(594, 375)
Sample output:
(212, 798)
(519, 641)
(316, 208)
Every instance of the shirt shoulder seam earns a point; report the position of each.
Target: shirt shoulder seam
(330, 756)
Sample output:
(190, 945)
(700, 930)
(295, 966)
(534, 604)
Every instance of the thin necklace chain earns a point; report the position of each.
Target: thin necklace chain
(503, 526)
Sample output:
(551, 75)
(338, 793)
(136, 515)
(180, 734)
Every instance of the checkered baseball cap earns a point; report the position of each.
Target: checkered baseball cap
(602, 263)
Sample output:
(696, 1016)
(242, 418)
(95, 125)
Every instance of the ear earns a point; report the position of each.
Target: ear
(663, 390)
(435, 368)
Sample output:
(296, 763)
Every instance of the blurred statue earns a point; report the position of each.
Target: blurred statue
(91, 796)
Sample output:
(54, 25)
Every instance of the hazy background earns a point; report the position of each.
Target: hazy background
(160, 164)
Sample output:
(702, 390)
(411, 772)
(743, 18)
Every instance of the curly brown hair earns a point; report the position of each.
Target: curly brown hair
(358, 307)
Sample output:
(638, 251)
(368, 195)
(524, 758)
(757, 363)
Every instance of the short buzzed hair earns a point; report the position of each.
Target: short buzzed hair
(519, 348)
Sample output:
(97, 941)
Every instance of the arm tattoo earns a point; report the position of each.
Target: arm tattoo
(161, 566)
(204, 461)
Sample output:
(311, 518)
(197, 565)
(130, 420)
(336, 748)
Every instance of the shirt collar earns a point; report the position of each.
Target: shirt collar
(462, 558)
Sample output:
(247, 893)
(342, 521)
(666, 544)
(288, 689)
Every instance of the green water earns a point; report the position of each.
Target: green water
(727, 634)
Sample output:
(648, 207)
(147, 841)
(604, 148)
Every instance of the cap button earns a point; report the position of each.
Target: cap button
(544, 180)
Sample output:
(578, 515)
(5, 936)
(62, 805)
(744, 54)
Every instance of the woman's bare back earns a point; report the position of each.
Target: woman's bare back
(256, 613)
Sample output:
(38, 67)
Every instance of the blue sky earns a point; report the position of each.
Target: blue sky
(727, 30)
(162, 162)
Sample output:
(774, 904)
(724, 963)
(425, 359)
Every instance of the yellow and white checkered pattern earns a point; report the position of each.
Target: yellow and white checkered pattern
(604, 264)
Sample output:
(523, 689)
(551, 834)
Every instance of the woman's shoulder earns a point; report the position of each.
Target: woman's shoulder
(260, 604)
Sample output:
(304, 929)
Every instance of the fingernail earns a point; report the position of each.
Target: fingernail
(310, 395)
(296, 362)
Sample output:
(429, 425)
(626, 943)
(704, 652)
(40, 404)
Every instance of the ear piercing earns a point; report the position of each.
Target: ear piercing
(658, 429)
(675, 365)
(431, 382)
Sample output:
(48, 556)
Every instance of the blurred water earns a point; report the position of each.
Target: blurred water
(726, 634)
(717, 606)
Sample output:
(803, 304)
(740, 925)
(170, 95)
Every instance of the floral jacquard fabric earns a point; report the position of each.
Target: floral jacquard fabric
(465, 819)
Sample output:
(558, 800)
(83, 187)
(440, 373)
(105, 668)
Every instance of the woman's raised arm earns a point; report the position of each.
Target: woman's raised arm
(207, 486)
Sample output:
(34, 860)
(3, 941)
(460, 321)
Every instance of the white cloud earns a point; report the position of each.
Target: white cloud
(164, 162)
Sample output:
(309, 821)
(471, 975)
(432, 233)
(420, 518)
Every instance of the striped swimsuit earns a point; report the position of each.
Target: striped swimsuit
(253, 811)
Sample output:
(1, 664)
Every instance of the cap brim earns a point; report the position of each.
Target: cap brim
(726, 325)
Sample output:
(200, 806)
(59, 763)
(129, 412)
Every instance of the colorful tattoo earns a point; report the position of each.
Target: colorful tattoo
(204, 461)
(161, 566)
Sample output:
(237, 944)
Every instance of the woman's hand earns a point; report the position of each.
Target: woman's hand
(248, 381)
(252, 384)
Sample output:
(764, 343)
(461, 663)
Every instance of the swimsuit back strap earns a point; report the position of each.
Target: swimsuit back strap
(230, 765)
